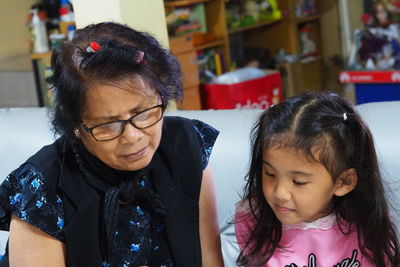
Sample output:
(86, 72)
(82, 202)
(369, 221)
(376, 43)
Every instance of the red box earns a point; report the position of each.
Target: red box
(258, 93)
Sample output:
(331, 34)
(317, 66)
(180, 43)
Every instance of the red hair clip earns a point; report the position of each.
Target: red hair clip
(140, 57)
(93, 47)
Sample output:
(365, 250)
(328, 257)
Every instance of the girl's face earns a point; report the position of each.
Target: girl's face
(134, 149)
(296, 189)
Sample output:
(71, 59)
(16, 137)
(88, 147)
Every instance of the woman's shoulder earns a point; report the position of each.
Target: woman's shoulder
(26, 194)
(184, 132)
(36, 167)
(189, 127)
(176, 121)
(47, 155)
(190, 124)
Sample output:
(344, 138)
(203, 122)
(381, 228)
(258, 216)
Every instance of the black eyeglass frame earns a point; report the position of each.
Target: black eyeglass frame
(125, 122)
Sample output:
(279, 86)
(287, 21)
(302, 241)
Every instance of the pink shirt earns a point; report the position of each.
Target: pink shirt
(316, 244)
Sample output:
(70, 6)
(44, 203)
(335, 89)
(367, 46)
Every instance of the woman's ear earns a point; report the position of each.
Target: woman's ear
(346, 182)
(77, 133)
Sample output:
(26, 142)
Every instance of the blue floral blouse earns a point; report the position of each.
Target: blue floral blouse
(24, 193)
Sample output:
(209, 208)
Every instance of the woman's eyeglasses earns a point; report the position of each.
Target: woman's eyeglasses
(141, 120)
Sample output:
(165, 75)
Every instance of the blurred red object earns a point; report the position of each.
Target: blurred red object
(259, 93)
(200, 38)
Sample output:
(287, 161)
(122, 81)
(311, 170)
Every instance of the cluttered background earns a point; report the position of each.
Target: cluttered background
(234, 53)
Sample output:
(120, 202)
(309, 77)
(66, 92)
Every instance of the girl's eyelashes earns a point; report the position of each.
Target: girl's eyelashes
(269, 174)
(299, 183)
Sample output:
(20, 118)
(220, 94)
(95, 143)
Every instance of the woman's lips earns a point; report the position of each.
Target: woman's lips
(137, 155)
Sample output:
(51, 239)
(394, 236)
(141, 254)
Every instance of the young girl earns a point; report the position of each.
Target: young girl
(314, 194)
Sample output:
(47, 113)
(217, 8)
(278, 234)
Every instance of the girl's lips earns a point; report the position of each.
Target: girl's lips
(283, 209)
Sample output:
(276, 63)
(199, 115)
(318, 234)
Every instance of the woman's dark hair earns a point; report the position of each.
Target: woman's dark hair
(315, 121)
(124, 55)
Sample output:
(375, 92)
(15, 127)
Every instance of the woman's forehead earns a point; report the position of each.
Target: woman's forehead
(135, 84)
(112, 101)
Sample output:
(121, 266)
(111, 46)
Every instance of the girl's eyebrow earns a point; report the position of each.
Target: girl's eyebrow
(267, 163)
(301, 173)
(296, 173)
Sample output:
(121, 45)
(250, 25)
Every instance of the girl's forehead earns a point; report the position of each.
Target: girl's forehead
(289, 160)
(310, 147)
(309, 156)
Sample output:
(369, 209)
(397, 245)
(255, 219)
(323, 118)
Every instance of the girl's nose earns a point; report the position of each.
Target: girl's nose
(282, 193)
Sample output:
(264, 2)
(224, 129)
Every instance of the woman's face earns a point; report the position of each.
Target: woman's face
(134, 149)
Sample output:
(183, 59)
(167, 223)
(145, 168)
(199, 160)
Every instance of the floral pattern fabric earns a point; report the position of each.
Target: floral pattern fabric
(24, 193)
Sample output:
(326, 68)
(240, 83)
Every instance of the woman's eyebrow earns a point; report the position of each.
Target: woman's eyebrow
(101, 119)
(110, 118)
(141, 106)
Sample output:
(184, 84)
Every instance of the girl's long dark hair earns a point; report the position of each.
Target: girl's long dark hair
(316, 121)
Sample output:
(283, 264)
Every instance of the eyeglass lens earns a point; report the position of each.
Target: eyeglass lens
(140, 120)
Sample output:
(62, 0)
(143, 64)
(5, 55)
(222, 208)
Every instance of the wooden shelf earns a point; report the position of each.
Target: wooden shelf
(308, 19)
(270, 35)
(210, 44)
(39, 56)
(257, 25)
(180, 3)
(310, 60)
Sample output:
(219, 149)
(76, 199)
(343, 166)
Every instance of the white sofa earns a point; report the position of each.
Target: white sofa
(25, 130)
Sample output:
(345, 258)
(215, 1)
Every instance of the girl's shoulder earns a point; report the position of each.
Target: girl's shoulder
(242, 206)
(243, 213)
(244, 222)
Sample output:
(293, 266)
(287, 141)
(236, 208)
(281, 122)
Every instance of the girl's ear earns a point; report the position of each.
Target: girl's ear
(346, 182)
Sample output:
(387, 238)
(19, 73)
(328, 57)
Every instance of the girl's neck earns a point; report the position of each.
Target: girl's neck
(323, 223)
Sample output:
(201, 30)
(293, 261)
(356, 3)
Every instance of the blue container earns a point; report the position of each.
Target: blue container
(376, 92)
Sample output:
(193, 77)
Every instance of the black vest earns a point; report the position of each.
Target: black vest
(176, 177)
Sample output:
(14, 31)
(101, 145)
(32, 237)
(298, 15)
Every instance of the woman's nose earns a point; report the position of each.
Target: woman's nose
(131, 133)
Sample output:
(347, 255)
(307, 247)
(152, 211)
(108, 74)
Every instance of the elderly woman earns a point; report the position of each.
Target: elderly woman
(123, 185)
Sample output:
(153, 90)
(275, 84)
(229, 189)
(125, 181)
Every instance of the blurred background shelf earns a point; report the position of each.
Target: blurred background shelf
(40, 56)
(231, 46)
(210, 44)
(308, 19)
(183, 3)
(257, 25)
